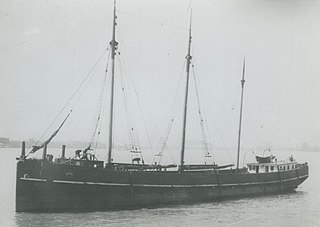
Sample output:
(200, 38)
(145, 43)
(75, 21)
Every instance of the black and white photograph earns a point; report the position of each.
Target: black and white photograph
(160, 113)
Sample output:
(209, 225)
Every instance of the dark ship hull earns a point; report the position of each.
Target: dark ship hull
(44, 186)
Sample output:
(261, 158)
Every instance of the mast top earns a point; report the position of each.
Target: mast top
(243, 71)
(113, 42)
(188, 57)
(114, 5)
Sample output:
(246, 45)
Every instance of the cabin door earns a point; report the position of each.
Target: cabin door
(257, 169)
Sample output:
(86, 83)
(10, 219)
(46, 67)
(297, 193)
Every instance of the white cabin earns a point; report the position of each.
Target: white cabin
(271, 167)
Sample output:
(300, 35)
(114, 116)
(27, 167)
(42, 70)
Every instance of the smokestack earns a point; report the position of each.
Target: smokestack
(63, 155)
(23, 150)
(44, 153)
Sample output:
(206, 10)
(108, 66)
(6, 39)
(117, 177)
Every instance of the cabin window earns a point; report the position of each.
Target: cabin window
(292, 166)
(267, 169)
(271, 168)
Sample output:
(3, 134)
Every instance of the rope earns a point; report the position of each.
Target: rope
(129, 125)
(168, 131)
(71, 97)
(123, 64)
(36, 148)
(205, 143)
(100, 105)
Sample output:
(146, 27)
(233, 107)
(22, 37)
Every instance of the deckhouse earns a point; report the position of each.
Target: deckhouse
(270, 164)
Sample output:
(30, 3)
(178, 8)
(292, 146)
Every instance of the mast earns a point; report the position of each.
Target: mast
(188, 57)
(114, 46)
(240, 122)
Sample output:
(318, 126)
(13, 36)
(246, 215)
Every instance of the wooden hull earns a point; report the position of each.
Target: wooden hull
(48, 187)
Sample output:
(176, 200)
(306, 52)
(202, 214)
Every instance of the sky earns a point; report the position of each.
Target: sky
(48, 47)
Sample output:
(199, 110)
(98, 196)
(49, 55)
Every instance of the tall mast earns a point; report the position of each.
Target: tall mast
(188, 57)
(114, 46)
(240, 122)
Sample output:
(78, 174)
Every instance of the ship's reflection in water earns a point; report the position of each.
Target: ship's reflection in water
(301, 208)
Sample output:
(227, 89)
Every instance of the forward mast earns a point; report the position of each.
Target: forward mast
(241, 105)
(114, 47)
(188, 58)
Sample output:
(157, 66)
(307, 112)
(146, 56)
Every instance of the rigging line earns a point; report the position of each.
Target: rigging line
(124, 88)
(72, 96)
(164, 143)
(174, 104)
(206, 136)
(225, 147)
(36, 148)
(141, 110)
(135, 147)
(104, 106)
(189, 6)
(152, 20)
(93, 119)
(98, 133)
(175, 111)
(205, 144)
(203, 117)
(82, 92)
(100, 104)
(123, 63)
(91, 130)
(136, 93)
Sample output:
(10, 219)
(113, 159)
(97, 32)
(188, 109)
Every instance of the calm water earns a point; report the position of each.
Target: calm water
(295, 209)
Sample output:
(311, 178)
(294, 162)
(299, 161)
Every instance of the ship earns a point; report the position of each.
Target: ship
(84, 183)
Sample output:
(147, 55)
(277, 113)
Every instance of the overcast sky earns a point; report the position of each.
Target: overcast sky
(48, 47)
